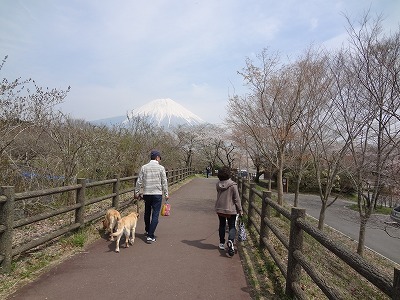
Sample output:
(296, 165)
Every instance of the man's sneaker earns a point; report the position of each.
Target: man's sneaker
(221, 246)
(150, 240)
(231, 250)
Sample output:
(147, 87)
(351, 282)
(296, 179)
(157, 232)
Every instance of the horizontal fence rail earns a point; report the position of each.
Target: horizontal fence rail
(77, 209)
(259, 218)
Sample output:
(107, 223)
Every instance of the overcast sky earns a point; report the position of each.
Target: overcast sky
(119, 55)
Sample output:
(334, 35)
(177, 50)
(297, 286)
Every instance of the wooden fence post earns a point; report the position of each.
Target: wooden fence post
(115, 199)
(265, 213)
(80, 199)
(396, 284)
(6, 219)
(295, 243)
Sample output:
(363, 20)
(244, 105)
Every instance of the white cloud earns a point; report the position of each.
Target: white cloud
(313, 23)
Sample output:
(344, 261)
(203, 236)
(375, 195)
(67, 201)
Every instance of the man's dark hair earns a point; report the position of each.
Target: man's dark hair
(224, 173)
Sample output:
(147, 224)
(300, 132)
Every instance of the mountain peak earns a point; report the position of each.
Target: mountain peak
(165, 111)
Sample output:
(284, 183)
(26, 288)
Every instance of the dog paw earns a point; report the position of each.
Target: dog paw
(117, 251)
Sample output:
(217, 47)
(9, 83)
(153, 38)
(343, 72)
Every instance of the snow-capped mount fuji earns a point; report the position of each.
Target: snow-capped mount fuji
(165, 112)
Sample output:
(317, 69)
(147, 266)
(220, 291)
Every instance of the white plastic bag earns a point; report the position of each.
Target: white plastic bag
(242, 234)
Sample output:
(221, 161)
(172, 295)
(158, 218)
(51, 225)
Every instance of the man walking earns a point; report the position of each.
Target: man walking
(152, 178)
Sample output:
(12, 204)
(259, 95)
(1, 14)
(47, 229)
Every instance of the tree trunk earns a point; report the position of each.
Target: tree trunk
(361, 235)
(258, 174)
(321, 220)
(280, 186)
(270, 179)
(297, 192)
(279, 179)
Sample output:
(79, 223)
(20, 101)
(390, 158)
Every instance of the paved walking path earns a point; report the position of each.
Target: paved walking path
(184, 262)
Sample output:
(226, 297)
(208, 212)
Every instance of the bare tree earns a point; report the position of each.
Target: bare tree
(314, 90)
(374, 64)
(23, 106)
(327, 151)
(70, 142)
(187, 140)
(274, 106)
(258, 144)
(210, 141)
(246, 143)
(227, 153)
(133, 142)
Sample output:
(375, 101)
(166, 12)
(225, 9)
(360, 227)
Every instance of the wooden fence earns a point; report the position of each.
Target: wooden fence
(260, 219)
(8, 200)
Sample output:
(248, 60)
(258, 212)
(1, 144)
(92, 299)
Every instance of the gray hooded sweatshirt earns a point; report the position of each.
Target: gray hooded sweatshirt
(228, 200)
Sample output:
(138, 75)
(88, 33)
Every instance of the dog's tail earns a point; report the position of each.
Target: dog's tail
(119, 230)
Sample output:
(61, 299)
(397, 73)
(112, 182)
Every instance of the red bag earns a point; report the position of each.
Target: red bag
(166, 209)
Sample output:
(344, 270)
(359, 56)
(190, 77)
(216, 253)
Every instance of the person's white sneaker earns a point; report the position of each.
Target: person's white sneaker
(231, 250)
(221, 246)
(150, 240)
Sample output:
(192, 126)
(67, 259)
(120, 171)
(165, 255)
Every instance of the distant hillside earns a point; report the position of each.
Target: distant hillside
(109, 121)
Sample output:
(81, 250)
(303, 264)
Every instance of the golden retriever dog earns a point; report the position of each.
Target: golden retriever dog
(110, 221)
(126, 226)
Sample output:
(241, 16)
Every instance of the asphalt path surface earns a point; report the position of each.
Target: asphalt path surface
(184, 262)
(380, 237)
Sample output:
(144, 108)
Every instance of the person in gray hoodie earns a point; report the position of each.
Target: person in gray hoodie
(227, 207)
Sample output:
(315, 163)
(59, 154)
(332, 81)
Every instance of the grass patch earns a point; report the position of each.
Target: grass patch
(76, 240)
(379, 210)
(262, 275)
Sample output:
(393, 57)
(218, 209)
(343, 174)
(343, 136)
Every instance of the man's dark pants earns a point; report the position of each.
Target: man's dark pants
(152, 207)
